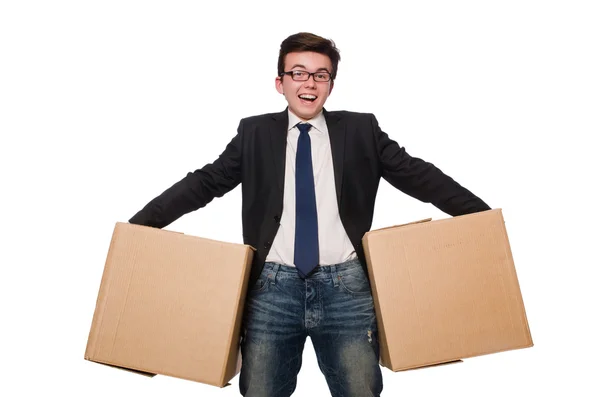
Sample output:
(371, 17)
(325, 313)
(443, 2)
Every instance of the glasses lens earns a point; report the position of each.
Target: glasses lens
(299, 75)
(322, 77)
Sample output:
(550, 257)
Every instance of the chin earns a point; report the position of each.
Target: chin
(307, 114)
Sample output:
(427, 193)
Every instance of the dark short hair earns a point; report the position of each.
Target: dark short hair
(300, 42)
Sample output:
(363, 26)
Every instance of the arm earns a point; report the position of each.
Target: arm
(196, 189)
(422, 180)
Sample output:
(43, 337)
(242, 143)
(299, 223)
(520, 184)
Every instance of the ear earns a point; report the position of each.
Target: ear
(331, 87)
(279, 84)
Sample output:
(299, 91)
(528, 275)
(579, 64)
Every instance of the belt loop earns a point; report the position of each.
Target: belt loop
(272, 276)
(334, 275)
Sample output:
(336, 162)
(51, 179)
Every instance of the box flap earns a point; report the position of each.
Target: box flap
(398, 226)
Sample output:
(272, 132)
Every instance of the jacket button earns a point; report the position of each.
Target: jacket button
(277, 218)
(267, 245)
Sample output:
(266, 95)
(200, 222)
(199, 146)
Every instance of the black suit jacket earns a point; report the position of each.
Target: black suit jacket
(255, 157)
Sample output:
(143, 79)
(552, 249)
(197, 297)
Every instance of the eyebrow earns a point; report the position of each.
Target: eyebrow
(304, 67)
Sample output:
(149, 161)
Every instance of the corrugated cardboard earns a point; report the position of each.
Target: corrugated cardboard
(445, 290)
(171, 304)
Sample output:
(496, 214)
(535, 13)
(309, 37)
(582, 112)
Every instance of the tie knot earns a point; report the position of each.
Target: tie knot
(303, 127)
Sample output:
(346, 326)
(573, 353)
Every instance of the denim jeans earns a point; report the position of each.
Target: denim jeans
(334, 307)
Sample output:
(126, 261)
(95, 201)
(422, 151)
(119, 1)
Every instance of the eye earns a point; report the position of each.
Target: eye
(299, 73)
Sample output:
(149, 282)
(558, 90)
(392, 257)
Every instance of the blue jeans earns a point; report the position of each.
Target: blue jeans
(334, 307)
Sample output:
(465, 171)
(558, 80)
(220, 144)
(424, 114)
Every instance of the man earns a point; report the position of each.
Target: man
(309, 180)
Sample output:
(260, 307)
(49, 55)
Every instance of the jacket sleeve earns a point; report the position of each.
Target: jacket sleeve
(196, 189)
(422, 180)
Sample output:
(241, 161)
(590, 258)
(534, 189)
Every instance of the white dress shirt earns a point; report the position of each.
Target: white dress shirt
(334, 245)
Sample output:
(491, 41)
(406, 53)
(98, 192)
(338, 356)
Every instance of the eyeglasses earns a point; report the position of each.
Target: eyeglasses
(302, 75)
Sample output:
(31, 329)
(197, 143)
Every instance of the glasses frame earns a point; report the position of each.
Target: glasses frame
(291, 74)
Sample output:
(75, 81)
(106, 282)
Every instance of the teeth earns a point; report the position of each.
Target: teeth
(308, 97)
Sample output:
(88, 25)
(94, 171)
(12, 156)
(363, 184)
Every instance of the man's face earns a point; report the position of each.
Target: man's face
(305, 98)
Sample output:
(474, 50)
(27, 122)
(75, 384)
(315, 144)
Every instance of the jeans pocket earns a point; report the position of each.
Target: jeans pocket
(355, 283)
(262, 284)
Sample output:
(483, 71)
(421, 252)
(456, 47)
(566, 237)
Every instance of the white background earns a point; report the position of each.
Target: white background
(105, 104)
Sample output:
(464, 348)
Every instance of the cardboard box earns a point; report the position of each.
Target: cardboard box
(445, 290)
(171, 304)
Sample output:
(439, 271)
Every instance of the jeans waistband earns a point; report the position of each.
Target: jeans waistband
(323, 271)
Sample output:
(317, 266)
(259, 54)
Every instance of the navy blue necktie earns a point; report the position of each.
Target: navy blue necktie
(306, 245)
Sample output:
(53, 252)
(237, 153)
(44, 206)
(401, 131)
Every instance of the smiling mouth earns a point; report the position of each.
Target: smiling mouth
(308, 98)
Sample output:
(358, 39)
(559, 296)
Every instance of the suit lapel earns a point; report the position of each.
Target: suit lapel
(337, 137)
(278, 132)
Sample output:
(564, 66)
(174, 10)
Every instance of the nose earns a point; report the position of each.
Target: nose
(310, 82)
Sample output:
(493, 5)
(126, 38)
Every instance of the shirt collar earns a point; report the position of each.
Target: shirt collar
(317, 122)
